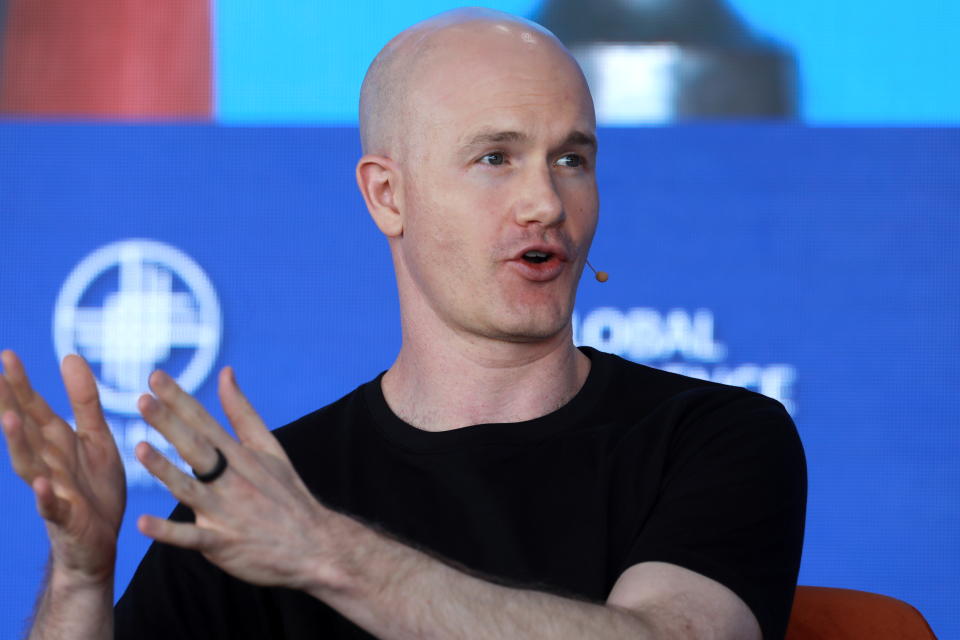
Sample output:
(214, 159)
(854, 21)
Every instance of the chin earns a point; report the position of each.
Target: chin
(530, 327)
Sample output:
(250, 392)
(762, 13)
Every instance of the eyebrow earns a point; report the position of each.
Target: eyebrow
(494, 137)
(581, 139)
(575, 138)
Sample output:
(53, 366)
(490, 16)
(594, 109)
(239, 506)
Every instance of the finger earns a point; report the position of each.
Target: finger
(8, 397)
(9, 402)
(49, 505)
(181, 534)
(193, 447)
(186, 489)
(188, 409)
(245, 420)
(38, 435)
(31, 402)
(23, 457)
(83, 394)
(32, 462)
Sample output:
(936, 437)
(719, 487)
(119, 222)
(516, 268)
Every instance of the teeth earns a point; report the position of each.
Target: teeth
(535, 254)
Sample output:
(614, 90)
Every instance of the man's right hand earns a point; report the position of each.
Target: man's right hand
(77, 476)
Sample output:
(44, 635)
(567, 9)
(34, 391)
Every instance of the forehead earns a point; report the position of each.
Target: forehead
(500, 80)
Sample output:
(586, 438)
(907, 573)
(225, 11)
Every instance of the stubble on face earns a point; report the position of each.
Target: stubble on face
(458, 255)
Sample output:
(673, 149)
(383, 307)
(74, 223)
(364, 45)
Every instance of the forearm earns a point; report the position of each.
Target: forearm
(73, 609)
(396, 592)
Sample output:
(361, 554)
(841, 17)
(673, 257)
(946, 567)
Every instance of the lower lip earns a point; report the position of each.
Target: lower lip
(538, 272)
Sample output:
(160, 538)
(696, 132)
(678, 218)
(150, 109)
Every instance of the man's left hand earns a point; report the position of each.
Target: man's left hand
(257, 520)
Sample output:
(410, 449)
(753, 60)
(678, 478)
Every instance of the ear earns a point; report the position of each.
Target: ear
(379, 180)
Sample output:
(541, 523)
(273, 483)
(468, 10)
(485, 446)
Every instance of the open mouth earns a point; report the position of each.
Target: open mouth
(537, 257)
(540, 265)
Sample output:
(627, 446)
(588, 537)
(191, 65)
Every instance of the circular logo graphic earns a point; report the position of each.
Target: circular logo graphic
(134, 306)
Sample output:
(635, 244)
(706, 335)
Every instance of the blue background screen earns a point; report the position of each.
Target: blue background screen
(818, 266)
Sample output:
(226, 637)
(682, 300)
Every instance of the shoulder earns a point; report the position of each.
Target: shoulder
(637, 390)
(687, 425)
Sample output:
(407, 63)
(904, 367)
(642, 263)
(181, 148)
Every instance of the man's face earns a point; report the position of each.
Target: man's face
(499, 194)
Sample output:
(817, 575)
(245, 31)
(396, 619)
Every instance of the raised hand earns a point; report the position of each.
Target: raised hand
(256, 520)
(77, 476)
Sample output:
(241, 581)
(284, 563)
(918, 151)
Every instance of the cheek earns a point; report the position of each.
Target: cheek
(461, 213)
(458, 221)
(435, 240)
(581, 201)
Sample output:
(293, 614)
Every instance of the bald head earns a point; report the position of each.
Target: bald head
(457, 39)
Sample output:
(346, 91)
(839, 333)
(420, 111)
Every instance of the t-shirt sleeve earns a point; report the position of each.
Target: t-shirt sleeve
(732, 504)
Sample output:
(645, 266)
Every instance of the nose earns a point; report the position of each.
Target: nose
(539, 200)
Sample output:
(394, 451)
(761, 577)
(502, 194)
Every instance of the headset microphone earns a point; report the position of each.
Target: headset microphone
(601, 276)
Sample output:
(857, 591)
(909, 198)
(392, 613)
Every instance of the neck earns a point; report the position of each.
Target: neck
(438, 384)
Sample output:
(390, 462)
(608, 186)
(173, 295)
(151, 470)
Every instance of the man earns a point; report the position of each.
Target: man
(495, 482)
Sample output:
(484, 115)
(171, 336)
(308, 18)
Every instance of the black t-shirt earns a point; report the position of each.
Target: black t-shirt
(641, 465)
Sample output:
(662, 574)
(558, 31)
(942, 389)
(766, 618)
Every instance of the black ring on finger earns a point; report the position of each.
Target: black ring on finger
(214, 473)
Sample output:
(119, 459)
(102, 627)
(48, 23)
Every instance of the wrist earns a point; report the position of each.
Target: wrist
(87, 564)
(72, 580)
(341, 567)
(74, 605)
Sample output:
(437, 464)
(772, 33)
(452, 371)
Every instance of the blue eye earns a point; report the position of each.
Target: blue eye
(570, 160)
(495, 158)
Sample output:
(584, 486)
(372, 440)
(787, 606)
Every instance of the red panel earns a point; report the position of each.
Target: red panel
(131, 59)
(828, 613)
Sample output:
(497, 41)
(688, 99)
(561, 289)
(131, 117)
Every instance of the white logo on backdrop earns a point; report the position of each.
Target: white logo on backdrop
(131, 307)
(682, 342)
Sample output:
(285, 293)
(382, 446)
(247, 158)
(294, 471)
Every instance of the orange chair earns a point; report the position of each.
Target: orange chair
(824, 613)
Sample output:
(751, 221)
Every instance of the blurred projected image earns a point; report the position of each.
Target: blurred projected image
(660, 61)
(647, 61)
(105, 59)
